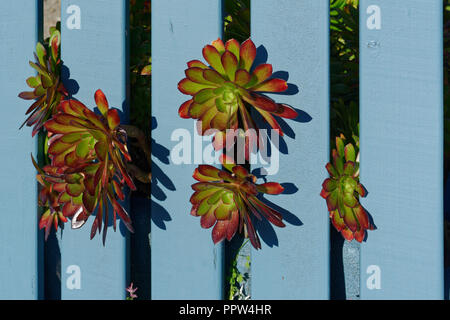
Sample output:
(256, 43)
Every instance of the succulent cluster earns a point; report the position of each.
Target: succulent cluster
(87, 169)
(342, 191)
(223, 92)
(48, 90)
(229, 199)
(85, 152)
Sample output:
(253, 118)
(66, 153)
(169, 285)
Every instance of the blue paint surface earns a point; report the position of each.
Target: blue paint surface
(294, 263)
(18, 192)
(401, 149)
(95, 57)
(185, 263)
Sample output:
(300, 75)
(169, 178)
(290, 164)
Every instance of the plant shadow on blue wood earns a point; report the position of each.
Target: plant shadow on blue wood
(159, 214)
(263, 227)
(303, 116)
(71, 85)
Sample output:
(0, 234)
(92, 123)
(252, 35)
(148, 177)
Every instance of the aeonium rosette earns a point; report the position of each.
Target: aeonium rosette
(229, 200)
(87, 170)
(223, 92)
(48, 89)
(342, 191)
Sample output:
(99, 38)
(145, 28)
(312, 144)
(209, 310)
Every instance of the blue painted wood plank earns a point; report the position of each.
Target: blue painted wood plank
(296, 264)
(402, 148)
(94, 52)
(185, 263)
(18, 194)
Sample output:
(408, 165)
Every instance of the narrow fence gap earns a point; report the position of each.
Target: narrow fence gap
(337, 273)
(238, 250)
(446, 67)
(94, 54)
(185, 263)
(401, 148)
(125, 38)
(344, 99)
(20, 251)
(51, 252)
(140, 249)
(294, 261)
(41, 252)
(139, 252)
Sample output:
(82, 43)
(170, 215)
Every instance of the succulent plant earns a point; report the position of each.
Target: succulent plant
(48, 90)
(87, 168)
(342, 191)
(223, 93)
(49, 197)
(227, 199)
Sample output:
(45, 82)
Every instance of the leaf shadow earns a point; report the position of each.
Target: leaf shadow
(265, 229)
(159, 182)
(71, 85)
(302, 117)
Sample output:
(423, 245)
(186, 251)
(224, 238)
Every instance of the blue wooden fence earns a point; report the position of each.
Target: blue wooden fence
(298, 264)
(92, 46)
(401, 152)
(19, 245)
(402, 149)
(182, 257)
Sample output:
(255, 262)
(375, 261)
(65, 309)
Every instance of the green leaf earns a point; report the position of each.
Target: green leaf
(340, 146)
(41, 53)
(33, 82)
(203, 207)
(350, 154)
(83, 148)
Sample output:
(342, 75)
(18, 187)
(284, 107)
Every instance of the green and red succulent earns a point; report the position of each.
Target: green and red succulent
(229, 200)
(223, 92)
(342, 191)
(48, 89)
(85, 152)
(49, 197)
(87, 170)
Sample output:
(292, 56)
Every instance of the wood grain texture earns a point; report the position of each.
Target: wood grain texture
(185, 263)
(294, 264)
(402, 149)
(95, 56)
(18, 192)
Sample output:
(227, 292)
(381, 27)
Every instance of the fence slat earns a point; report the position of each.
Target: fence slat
(295, 34)
(185, 263)
(94, 51)
(401, 148)
(18, 192)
